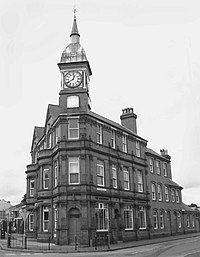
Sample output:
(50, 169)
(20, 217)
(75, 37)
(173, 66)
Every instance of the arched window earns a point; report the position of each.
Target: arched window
(162, 225)
(155, 220)
(153, 191)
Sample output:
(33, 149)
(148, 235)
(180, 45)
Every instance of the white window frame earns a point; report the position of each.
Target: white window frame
(128, 217)
(142, 215)
(114, 176)
(126, 176)
(32, 188)
(165, 169)
(101, 211)
(99, 133)
(113, 139)
(100, 173)
(45, 221)
(155, 220)
(162, 220)
(158, 167)
(151, 166)
(160, 196)
(70, 129)
(124, 143)
(153, 191)
(140, 181)
(137, 150)
(31, 222)
(73, 101)
(56, 173)
(166, 194)
(74, 169)
(46, 180)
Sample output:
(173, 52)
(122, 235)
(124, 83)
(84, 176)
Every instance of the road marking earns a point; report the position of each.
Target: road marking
(25, 254)
(10, 254)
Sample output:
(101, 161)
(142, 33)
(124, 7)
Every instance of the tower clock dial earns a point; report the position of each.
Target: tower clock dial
(72, 79)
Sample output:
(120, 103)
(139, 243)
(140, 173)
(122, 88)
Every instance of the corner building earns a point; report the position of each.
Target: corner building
(89, 175)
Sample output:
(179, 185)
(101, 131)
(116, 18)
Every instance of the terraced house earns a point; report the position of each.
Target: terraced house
(89, 175)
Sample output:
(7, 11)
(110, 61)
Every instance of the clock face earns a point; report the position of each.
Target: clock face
(72, 79)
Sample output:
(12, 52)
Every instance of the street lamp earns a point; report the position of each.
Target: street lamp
(24, 214)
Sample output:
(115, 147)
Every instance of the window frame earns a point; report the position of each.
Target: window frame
(55, 173)
(104, 224)
(113, 139)
(31, 189)
(165, 169)
(142, 217)
(45, 221)
(72, 160)
(114, 175)
(100, 173)
(173, 195)
(177, 195)
(128, 217)
(162, 220)
(31, 222)
(71, 103)
(160, 194)
(70, 129)
(46, 180)
(155, 219)
(137, 148)
(126, 178)
(151, 165)
(124, 143)
(166, 194)
(99, 133)
(153, 192)
(158, 169)
(140, 182)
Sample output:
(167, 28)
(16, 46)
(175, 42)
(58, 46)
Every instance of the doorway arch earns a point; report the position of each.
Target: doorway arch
(74, 225)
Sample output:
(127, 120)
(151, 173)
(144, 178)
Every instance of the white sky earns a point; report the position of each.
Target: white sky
(144, 54)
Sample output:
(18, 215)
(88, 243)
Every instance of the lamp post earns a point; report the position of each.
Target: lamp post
(24, 214)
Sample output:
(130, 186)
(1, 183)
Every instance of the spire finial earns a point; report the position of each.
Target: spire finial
(75, 11)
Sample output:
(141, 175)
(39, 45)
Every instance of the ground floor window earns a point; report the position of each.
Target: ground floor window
(31, 222)
(128, 217)
(55, 219)
(155, 220)
(179, 219)
(101, 213)
(162, 220)
(45, 219)
(188, 221)
(142, 217)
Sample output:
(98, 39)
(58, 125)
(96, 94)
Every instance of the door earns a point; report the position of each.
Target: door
(74, 225)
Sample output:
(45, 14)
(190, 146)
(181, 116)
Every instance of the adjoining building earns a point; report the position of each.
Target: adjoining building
(92, 177)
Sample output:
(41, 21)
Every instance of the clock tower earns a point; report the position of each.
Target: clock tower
(75, 75)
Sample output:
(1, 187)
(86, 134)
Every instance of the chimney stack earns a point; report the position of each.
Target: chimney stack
(165, 154)
(128, 119)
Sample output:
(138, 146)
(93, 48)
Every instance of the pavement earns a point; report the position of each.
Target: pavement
(113, 247)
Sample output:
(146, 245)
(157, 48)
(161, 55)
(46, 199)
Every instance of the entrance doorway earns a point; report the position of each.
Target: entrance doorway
(74, 225)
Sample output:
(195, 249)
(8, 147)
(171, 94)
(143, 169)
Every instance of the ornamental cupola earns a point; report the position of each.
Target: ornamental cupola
(74, 52)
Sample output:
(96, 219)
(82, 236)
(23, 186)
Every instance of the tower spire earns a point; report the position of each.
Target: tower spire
(74, 27)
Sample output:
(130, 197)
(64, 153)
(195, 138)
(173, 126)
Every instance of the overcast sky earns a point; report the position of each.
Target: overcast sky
(143, 54)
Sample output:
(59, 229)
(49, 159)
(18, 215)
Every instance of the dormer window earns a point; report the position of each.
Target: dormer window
(73, 101)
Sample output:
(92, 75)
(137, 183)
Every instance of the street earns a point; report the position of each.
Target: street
(189, 247)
